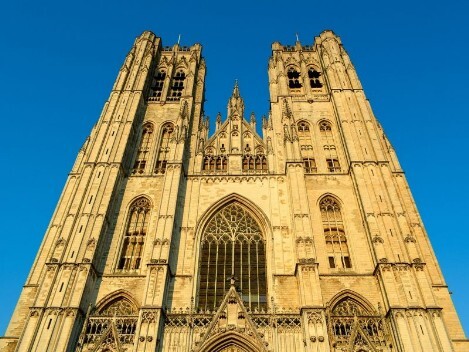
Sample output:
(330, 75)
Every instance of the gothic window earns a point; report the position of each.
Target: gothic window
(333, 165)
(122, 313)
(306, 147)
(255, 163)
(293, 79)
(134, 236)
(177, 86)
(215, 163)
(310, 165)
(232, 245)
(313, 76)
(143, 150)
(332, 160)
(336, 240)
(164, 149)
(326, 129)
(349, 319)
(303, 128)
(157, 86)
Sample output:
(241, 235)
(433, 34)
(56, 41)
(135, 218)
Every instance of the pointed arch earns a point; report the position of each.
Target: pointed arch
(135, 233)
(234, 339)
(231, 240)
(338, 254)
(329, 145)
(164, 147)
(314, 77)
(157, 84)
(354, 325)
(177, 84)
(294, 78)
(357, 303)
(306, 146)
(144, 149)
(118, 296)
(257, 212)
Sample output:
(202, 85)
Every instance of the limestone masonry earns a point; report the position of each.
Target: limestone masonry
(306, 238)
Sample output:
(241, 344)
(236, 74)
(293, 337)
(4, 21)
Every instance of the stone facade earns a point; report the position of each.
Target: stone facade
(304, 239)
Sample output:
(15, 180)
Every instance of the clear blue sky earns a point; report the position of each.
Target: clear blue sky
(59, 60)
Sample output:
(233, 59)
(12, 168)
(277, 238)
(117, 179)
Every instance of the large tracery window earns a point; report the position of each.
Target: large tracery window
(336, 240)
(143, 150)
(134, 236)
(232, 246)
(164, 149)
(177, 86)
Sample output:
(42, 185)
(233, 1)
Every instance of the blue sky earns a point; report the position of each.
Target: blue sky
(59, 60)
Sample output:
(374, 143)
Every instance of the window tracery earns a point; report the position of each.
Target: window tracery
(134, 236)
(232, 245)
(256, 163)
(177, 86)
(144, 149)
(121, 313)
(352, 324)
(165, 147)
(334, 234)
(215, 163)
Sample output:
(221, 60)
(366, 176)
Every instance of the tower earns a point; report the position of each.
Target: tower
(168, 239)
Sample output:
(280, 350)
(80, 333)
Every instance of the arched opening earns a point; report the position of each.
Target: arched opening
(232, 245)
(352, 321)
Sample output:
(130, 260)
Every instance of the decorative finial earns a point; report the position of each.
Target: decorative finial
(236, 89)
(297, 38)
(179, 38)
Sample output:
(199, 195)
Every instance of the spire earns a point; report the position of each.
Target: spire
(218, 122)
(252, 121)
(236, 103)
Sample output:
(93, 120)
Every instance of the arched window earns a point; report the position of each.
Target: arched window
(157, 85)
(255, 163)
(121, 313)
(326, 129)
(306, 147)
(293, 79)
(336, 240)
(350, 319)
(313, 76)
(164, 149)
(144, 149)
(303, 128)
(177, 86)
(232, 245)
(134, 236)
(215, 163)
(332, 160)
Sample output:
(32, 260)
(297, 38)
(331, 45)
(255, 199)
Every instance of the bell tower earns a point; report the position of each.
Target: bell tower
(102, 235)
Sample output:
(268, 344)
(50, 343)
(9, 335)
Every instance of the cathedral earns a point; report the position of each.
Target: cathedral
(170, 238)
